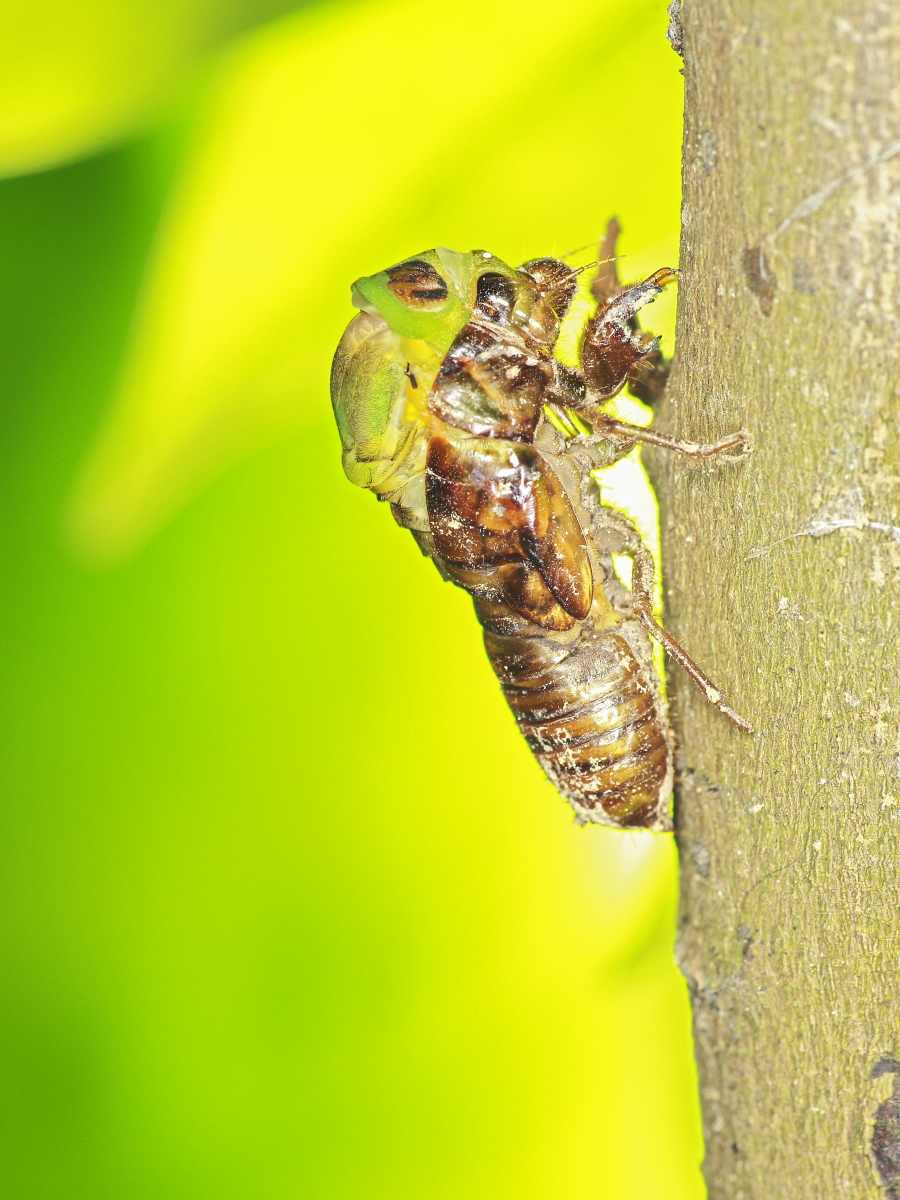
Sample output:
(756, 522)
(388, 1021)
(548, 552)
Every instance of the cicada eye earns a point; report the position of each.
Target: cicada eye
(495, 297)
(417, 285)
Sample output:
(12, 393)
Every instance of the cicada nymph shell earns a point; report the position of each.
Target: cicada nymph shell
(450, 404)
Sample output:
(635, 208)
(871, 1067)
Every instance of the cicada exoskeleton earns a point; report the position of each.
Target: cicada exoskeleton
(452, 407)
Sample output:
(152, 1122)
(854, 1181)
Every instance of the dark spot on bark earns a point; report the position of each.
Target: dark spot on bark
(745, 937)
(804, 280)
(705, 997)
(887, 1066)
(675, 32)
(886, 1131)
(760, 279)
(700, 855)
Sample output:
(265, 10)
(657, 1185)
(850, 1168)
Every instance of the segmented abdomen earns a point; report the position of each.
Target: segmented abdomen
(591, 712)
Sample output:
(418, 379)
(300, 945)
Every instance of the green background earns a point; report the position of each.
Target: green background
(288, 910)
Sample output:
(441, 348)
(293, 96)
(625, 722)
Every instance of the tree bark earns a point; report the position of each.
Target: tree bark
(782, 579)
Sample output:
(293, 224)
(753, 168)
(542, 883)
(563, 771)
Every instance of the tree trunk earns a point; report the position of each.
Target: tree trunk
(782, 579)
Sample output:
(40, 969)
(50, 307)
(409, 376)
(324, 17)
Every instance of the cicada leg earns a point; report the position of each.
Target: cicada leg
(609, 439)
(614, 429)
(643, 576)
(636, 360)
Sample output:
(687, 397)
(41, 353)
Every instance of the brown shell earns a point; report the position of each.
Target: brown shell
(592, 714)
(499, 504)
(574, 664)
(491, 385)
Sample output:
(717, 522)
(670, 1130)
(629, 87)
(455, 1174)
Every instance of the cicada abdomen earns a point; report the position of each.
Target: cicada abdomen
(591, 710)
(442, 388)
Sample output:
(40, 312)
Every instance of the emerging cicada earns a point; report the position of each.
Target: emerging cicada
(452, 407)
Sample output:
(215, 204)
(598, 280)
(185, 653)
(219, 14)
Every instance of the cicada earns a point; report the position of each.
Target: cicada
(453, 407)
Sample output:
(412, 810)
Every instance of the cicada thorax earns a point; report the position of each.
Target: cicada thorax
(575, 668)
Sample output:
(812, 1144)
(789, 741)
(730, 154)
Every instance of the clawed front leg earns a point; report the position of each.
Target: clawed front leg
(613, 356)
(613, 350)
(642, 605)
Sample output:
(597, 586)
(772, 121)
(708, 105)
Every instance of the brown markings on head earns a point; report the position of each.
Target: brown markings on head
(417, 284)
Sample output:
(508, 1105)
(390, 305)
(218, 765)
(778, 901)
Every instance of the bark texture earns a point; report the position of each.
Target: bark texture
(783, 577)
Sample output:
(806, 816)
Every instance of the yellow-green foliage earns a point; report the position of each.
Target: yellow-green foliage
(286, 917)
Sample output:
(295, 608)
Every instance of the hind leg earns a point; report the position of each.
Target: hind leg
(642, 605)
(615, 430)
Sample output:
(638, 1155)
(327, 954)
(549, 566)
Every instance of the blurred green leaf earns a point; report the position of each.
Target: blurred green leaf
(336, 142)
(287, 908)
(77, 75)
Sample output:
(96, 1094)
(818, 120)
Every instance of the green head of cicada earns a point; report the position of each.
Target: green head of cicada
(431, 297)
(391, 353)
(424, 298)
